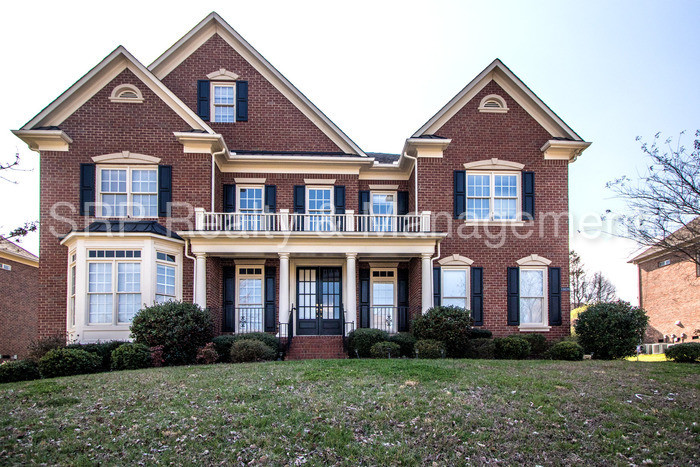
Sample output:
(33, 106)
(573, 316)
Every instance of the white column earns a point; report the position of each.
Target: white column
(284, 289)
(351, 299)
(200, 285)
(426, 281)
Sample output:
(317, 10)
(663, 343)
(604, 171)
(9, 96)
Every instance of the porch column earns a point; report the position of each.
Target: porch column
(200, 286)
(426, 281)
(283, 305)
(351, 299)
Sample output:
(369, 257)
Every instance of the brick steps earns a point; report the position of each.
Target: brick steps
(311, 347)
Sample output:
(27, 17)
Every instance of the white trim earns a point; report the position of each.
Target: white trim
(492, 196)
(117, 92)
(213, 105)
(563, 150)
(382, 265)
(468, 275)
(200, 143)
(503, 107)
(222, 75)
(45, 140)
(250, 181)
(239, 277)
(126, 157)
(543, 325)
(493, 164)
(533, 260)
(455, 260)
(384, 187)
(319, 181)
(214, 24)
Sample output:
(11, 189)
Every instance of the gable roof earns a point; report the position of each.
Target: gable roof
(214, 24)
(14, 252)
(96, 79)
(686, 235)
(510, 83)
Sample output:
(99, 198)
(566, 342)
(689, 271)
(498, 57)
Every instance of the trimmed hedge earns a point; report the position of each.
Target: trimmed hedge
(222, 345)
(360, 341)
(430, 348)
(68, 362)
(385, 350)
(511, 348)
(131, 356)
(482, 348)
(566, 350)
(538, 343)
(41, 347)
(611, 330)
(251, 350)
(448, 324)
(688, 352)
(19, 370)
(180, 327)
(478, 333)
(406, 343)
(207, 354)
(103, 349)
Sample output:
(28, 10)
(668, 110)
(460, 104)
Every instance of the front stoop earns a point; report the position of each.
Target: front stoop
(310, 347)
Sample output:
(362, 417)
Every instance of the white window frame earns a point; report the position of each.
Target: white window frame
(544, 324)
(492, 194)
(248, 218)
(166, 263)
(115, 294)
(212, 110)
(664, 262)
(129, 192)
(467, 285)
(394, 281)
(378, 222)
(72, 287)
(240, 276)
(310, 222)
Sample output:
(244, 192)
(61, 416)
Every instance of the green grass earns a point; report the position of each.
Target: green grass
(360, 412)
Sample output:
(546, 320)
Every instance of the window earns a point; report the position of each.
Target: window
(492, 196)
(532, 296)
(320, 209)
(126, 93)
(71, 292)
(665, 262)
(223, 103)
(383, 297)
(383, 210)
(128, 192)
(113, 298)
(250, 205)
(6, 267)
(165, 277)
(493, 103)
(250, 299)
(454, 287)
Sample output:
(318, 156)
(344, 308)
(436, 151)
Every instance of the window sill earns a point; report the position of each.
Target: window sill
(515, 223)
(534, 328)
(107, 327)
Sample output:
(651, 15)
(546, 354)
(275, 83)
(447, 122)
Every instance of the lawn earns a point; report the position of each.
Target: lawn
(360, 412)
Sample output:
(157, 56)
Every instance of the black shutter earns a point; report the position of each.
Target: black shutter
(555, 296)
(299, 199)
(401, 209)
(513, 296)
(528, 195)
(270, 308)
(363, 224)
(229, 198)
(402, 292)
(339, 199)
(364, 298)
(229, 299)
(241, 101)
(165, 189)
(87, 189)
(477, 300)
(436, 286)
(203, 99)
(270, 198)
(460, 194)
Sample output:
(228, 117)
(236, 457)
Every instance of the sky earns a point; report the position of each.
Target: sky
(613, 70)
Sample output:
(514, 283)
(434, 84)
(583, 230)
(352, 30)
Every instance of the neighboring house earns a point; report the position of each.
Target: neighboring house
(209, 177)
(669, 290)
(19, 297)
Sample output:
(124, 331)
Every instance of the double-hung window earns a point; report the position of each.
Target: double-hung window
(128, 192)
(250, 207)
(384, 299)
(532, 296)
(250, 299)
(114, 286)
(455, 287)
(71, 290)
(320, 209)
(492, 195)
(224, 102)
(383, 211)
(165, 277)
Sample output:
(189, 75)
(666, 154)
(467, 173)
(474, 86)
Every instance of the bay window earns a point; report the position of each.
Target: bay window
(128, 192)
(165, 277)
(114, 286)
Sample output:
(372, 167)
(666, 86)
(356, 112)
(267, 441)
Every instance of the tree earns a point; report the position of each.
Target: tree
(600, 289)
(665, 202)
(586, 289)
(28, 227)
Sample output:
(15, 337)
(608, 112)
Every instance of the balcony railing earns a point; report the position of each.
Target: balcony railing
(391, 319)
(250, 319)
(284, 221)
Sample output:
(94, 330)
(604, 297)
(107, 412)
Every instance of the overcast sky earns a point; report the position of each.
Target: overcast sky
(379, 70)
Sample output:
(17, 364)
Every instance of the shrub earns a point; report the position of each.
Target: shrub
(360, 341)
(180, 327)
(478, 333)
(251, 350)
(68, 362)
(103, 349)
(41, 347)
(688, 352)
(207, 354)
(222, 345)
(538, 343)
(482, 348)
(157, 359)
(131, 356)
(267, 339)
(385, 350)
(406, 343)
(511, 348)
(566, 350)
(611, 330)
(19, 370)
(430, 348)
(449, 324)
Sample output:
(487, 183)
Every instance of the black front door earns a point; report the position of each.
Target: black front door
(319, 301)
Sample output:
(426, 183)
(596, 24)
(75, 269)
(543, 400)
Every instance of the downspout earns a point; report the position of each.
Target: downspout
(194, 266)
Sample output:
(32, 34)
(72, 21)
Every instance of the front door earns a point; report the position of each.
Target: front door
(319, 300)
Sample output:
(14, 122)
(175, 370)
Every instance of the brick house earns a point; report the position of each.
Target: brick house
(208, 177)
(19, 292)
(669, 291)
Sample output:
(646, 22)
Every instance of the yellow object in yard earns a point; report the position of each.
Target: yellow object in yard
(644, 357)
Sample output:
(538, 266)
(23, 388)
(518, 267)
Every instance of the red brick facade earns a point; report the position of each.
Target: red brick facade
(19, 292)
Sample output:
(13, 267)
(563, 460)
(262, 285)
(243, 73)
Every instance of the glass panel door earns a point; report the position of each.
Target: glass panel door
(319, 299)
